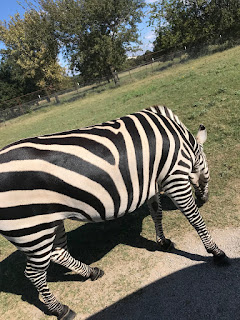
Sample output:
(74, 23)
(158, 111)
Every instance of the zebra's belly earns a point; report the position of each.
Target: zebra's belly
(41, 198)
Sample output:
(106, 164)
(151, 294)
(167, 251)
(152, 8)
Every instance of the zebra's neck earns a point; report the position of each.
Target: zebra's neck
(164, 111)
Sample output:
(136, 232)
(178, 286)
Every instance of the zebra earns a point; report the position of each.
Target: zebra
(99, 173)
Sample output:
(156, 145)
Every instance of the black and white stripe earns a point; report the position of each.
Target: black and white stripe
(94, 174)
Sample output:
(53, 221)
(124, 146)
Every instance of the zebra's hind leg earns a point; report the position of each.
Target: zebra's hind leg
(155, 208)
(186, 204)
(61, 256)
(38, 277)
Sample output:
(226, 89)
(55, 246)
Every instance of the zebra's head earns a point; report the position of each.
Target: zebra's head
(199, 176)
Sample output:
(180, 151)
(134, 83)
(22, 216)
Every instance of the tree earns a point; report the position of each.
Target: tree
(12, 81)
(194, 22)
(32, 48)
(95, 34)
(223, 18)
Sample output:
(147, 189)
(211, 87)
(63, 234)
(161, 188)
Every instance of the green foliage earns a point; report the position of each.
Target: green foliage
(99, 57)
(12, 81)
(194, 22)
(31, 52)
(95, 34)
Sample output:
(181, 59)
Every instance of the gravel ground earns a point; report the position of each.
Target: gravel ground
(186, 285)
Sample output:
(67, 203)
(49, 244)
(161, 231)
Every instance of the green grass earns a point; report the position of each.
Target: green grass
(205, 90)
(193, 90)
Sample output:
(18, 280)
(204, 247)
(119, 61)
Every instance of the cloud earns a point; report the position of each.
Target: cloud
(150, 35)
(150, 1)
(146, 46)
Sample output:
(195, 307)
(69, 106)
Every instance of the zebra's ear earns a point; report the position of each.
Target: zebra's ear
(201, 135)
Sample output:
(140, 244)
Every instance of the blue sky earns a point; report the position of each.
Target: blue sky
(10, 7)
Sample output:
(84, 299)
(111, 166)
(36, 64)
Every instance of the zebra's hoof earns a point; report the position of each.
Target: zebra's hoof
(221, 260)
(167, 245)
(96, 274)
(67, 314)
(199, 203)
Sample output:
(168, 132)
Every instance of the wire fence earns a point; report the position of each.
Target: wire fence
(147, 65)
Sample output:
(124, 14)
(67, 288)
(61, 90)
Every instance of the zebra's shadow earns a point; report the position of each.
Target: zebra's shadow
(201, 291)
(88, 243)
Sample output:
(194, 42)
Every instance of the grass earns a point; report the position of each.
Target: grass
(205, 90)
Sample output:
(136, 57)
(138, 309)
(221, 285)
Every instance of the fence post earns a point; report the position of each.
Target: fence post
(20, 106)
(56, 97)
(48, 96)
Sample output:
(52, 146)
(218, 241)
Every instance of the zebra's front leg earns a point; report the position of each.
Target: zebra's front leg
(155, 208)
(38, 277)
(183, 199)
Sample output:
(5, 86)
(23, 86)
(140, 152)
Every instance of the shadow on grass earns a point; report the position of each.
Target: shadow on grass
(88, 243)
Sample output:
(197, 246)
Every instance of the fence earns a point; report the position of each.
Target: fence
(18, 106)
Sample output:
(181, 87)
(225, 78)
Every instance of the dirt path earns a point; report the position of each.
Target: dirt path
(185, 285)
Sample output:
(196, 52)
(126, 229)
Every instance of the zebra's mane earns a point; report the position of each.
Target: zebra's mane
(164, 111)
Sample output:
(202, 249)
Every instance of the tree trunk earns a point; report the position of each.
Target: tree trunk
(56, 98)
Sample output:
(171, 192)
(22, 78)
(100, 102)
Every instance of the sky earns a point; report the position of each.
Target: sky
(10, 7)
